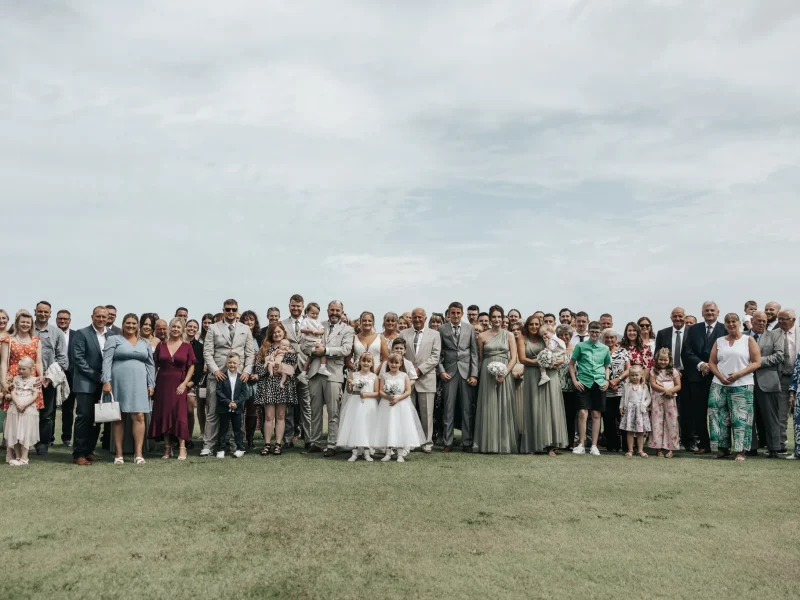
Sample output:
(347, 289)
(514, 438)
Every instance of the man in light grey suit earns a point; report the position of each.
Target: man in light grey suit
(768, 381)
(221, 339)
(787, 321)
(458, 370)
(337, 343)
(423, 349)
(292, 327)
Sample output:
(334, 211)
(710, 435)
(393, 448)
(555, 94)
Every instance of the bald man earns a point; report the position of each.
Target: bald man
(771, 309)
(673, 338)
(423, 349)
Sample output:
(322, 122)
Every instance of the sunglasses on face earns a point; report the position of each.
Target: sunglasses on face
(644, 326)
(231, 309)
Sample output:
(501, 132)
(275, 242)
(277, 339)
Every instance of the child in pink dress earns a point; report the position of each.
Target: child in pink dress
(665, 382)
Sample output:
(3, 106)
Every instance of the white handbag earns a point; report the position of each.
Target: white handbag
(202, 392)
(107, 412)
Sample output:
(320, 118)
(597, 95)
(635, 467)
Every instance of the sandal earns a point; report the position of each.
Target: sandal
(660, 454)
(182, 453)
(138, 460)
(643, 454)
(265, 451)
(119, 460)
(22, 462)
(552, 453)
(167, 453)
(278, 450)
(628, 454)
(668, 454)
(739, 457)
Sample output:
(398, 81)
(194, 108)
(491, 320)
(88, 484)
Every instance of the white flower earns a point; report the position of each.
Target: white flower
(546, 358)
(497, 369)
(392, 388)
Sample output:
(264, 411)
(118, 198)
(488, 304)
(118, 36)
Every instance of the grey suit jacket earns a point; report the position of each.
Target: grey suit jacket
(461, 354)
(218, 345)
(427, 359)
(87, 361)
(768, 378)
(294, 340)
(338, 345)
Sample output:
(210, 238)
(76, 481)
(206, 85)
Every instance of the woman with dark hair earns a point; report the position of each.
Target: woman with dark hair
(197, 391)
(495, 421)
(270, 394)
(514, 316)
(250, 319)
(648, 336)
(564, 333)
(251, 411)
(640, 354)
(129, 374)
(147, 328)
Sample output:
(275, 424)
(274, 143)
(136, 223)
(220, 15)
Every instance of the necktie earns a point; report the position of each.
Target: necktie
(676, 355)
(416, 340)
(231, 330)
(757, 336)
(709, 329)
(296, 328)
(581, 337)
(457, 332)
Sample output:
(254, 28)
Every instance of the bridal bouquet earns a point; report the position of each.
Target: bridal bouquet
(546, 358)
(393, 388)
(497, 369)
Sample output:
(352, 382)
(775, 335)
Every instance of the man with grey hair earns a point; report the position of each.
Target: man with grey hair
(336, 345)
(767, 386)
(423, 349)
(787, 321)
(54, 350)
(695, 354)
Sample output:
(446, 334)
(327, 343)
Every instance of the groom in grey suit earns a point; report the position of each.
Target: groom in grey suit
(423, 349)
(458, 370)
(221, 339)
(337, 343)
(768, 382)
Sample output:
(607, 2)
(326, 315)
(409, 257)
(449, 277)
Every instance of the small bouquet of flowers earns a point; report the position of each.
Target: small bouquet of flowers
(393, 388)
(546, 359)
(358, 383)
(497, 369)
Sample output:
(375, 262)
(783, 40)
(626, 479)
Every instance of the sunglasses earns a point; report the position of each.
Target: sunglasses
(644, 326)
(231, 309)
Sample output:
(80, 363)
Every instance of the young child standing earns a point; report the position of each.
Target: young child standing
(275, 362)
(398, 425)
(665, 381)
(359, 412)
(633, 408)
(230, 398)
(22, 419)
(554, 349)
(313, 333)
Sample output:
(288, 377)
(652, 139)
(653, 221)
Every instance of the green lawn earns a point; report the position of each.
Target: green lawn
(438, 526)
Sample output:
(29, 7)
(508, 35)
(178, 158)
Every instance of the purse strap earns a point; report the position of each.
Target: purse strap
(102, 398)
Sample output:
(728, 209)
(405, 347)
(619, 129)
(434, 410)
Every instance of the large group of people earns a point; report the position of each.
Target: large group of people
(550, 383)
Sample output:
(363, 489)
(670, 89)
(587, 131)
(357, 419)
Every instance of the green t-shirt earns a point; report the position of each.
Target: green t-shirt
(591, 359)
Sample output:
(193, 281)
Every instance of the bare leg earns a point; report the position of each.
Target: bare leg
(138, 433)
(191, 402)
(582, 416)
(167, 446)
(22, 452)
(640, 442)
(280, 422)
(283, 380)
(630, 442)
(118, 428)
(269, 418)
(595, 427)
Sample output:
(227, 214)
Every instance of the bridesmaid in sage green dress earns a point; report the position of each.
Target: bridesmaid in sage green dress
(495, 420)
(544, 425)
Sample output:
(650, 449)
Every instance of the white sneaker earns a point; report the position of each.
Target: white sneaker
(544, 379)
(368, 455)
(400, 458)
(239, 453)
(792, 457)
(323, 370)
(579, 449)
(205, 452)
(221, 454)
(594, 451)
(353, 456)
(387, 457)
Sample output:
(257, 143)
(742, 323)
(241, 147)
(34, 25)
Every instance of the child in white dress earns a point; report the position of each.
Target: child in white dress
(359, 412)
(398, 425)
(313, 333)
(554, 349)
(635, 410)
(22, 420)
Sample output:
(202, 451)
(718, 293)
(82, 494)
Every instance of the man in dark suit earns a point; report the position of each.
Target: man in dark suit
(458, 370)
(63, 321)
(87, 367)
(695, 353)
(673, 338)
(768, 383)
(112, 329)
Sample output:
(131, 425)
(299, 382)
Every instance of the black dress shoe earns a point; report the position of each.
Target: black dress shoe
(751, 453)
(313, 449)
(467, 449)
(772, 454)
(329, 452)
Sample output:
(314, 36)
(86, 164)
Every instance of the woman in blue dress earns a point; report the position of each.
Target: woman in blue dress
(129, 373)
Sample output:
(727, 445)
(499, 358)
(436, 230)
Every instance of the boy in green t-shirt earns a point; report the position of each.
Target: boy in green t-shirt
(589, 371)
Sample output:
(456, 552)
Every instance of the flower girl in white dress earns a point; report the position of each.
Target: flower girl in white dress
(360, 411)
(398, 425)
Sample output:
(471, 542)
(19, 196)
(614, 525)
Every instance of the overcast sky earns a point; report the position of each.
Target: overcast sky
(621, 156)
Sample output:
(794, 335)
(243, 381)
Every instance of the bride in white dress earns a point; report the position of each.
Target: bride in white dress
(360, 411)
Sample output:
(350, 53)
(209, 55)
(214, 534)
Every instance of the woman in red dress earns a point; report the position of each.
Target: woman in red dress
(174, 360)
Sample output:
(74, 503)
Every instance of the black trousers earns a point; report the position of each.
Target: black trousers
(68, 414)
(47, 418)
(698, 407)
(611, 424)
(571, 412)
(86, 431)
(227, 419)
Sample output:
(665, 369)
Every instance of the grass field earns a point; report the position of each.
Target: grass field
(438, 526)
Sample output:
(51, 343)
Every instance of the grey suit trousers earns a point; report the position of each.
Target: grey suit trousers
(424, 403)
(768, 406)
(305, 412)
(783, 407)
(453, 390)
(328, 393)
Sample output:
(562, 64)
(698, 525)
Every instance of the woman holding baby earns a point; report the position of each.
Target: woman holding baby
(274, 369)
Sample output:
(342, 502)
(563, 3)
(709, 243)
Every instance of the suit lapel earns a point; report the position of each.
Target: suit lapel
(93, 337)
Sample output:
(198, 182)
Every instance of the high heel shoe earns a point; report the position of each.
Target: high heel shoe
(167, 453)
(182, 453)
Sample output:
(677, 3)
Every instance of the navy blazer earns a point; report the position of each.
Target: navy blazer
(697, 348)
(70, 346)
(87, 360)
(225, 394)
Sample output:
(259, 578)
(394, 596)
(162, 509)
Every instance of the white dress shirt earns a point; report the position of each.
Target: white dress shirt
(675, 332)
(576, 338)
(101, 338)
(791, 345)
(705, 326)
(772, 325)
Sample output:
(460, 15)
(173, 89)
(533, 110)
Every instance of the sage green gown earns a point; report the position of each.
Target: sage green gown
(544, 424)
(495, 419)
